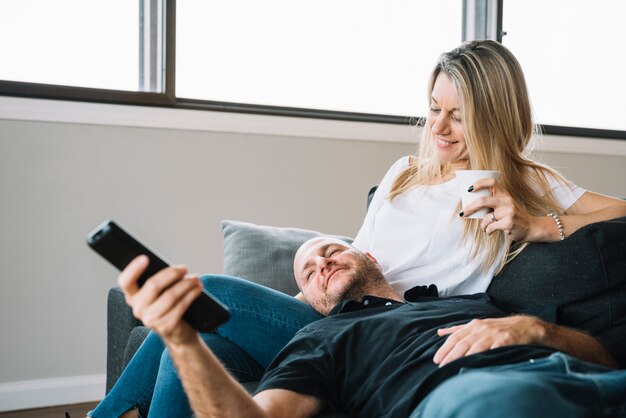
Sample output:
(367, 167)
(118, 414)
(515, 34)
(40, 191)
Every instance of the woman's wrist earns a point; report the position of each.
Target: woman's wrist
(543, 229)
(559, 225)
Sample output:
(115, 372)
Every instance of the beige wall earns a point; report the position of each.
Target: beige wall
(600, 173)
(170, 187)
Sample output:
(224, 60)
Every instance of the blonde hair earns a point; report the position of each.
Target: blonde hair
(498, 127)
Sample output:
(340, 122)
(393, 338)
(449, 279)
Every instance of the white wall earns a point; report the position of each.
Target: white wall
(170, 176)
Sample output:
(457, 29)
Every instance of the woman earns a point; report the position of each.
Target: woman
(479, 118)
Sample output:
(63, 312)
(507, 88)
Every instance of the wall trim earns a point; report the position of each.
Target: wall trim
(40, 393)
(575, 145)
(61, 111)
(25, 109)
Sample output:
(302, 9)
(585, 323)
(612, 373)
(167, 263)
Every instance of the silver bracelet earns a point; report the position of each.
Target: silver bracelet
(559, 225)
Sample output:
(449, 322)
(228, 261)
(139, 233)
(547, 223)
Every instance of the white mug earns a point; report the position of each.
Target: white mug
(467, 178)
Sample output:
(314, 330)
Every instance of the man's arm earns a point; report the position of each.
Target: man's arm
(212, 392)
(486, 334)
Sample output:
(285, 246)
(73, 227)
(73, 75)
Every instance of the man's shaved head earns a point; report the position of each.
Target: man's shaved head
(329, 270)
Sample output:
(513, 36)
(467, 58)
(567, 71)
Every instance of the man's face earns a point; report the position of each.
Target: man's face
(329, 271)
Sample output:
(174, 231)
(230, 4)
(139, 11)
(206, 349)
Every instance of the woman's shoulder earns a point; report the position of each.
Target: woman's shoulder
(397, 167)
(392, 174)
(547, 180)
(543, 176)
(402, 163)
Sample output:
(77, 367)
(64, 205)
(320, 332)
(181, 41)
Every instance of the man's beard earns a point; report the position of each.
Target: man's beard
(364, 279)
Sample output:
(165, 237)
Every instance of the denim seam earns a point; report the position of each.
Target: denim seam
(130, 405)
(569, 369)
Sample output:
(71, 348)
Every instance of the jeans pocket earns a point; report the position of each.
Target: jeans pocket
(574, 365)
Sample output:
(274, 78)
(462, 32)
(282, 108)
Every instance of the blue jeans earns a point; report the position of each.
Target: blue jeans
(262, 322)
(558, 386)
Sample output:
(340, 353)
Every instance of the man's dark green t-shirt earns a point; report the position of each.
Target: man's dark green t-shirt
(374, 358)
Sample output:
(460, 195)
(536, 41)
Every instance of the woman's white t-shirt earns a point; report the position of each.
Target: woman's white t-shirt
(417, 237)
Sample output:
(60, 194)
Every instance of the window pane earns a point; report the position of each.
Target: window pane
(371, 56)
(572, 55)
(84, 43)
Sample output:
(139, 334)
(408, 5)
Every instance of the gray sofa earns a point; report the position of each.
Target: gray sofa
(579, 282)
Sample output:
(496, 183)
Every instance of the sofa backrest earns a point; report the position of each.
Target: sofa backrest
(579, 282)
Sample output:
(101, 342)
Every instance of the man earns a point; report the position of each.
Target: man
(375, 355)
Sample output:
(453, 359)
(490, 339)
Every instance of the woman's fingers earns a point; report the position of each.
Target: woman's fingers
(488, 183)
(505, 215)
(487, 202)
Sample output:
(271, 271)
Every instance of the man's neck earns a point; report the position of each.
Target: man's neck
(385, 291)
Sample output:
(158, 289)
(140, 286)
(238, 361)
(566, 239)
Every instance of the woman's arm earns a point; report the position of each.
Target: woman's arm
(523, 227)
(589, 208)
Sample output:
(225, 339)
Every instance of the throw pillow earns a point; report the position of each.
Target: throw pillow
(264, 254)
(579, 282)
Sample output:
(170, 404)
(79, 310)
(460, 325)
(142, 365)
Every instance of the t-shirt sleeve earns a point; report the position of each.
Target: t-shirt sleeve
(303, 366)
(364, 236)
(565, 192)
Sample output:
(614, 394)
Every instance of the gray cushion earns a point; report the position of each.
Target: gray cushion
(264, 254)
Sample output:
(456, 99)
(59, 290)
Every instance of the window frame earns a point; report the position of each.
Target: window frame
(168, 97)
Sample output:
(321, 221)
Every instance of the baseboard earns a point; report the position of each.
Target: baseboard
(49, 392)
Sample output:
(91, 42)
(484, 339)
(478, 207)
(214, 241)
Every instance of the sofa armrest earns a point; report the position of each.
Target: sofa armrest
(120, 323)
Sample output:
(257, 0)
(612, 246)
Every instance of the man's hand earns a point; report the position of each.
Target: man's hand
(160, 304)
(486, 334)
(163, 299)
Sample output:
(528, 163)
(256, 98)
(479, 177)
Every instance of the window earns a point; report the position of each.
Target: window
(367, 56)
(366, 60)
(572, 55)
(82, 43)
